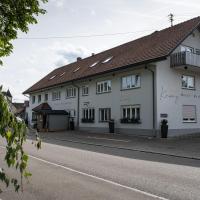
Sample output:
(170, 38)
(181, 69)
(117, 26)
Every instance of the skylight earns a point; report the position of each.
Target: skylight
(52, 77)
(92, 65)
(76, 69)
(107, 59)
(62, 74)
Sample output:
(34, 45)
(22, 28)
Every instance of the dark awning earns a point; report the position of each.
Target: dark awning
(44, 108)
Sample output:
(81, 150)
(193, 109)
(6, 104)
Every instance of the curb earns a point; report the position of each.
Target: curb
(123, 148)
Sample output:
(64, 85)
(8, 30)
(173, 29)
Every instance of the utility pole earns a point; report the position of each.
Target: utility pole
(171, 18)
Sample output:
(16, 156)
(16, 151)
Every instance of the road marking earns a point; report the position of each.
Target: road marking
(91, 137)
(96, 177)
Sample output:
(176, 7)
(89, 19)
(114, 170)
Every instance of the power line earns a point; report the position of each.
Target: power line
(81, 36)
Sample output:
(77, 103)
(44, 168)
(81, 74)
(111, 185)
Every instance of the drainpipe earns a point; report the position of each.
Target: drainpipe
(78, 103)
(153, 97)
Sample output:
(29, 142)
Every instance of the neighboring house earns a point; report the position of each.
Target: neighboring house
(137, 84)
(21, 110)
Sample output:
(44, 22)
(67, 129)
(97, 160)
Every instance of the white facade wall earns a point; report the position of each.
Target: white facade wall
(115, 99)
(170, 95)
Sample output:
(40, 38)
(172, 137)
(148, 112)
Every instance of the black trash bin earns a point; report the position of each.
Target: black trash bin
(111, 126)
(71, 124)
(164, 128)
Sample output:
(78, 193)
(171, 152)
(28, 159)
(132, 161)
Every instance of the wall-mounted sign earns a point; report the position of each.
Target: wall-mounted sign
(163, 115)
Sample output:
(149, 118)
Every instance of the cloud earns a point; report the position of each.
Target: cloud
(58, 3)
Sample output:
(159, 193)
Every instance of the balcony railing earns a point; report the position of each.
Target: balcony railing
(185, 59)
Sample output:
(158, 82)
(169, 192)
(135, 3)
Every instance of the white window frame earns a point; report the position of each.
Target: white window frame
(56, 95)
(85, 90)
(104, 114)
(88, 113)
(46, 96)
(131, 81)
(127, 112)
(190, 120)
(39, 98)
(104, 87)
(33, 99)
(187, 77)
(70, 92)
(187, 49)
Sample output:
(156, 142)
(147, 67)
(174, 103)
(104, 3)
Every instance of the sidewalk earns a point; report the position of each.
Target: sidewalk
(186, 147)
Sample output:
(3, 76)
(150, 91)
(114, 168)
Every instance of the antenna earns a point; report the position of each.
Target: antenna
(171, 18)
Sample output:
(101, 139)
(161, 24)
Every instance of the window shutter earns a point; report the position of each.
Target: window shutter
(189, 112)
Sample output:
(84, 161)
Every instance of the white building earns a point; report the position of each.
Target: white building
(137, 84)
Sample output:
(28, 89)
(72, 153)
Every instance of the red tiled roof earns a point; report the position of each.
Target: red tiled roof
(157, 45)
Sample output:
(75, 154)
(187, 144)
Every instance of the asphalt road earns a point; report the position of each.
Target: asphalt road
(75, 171)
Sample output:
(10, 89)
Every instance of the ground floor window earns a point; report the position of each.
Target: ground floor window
(88, 115)
(130, 114)
(189, 113)
(104, 114)
(34, 117)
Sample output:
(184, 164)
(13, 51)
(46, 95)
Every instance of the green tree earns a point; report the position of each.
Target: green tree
(15, 16)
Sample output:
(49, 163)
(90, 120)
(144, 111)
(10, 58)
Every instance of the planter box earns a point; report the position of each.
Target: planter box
(87, 120)
(130, 121)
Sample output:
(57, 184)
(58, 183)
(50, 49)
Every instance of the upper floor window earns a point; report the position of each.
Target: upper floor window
(104, 86)
(104, 114)
(85, 90)
(56, 95)
(39, 98)
(46, 97)
(132, 81)
(33, 99)
(187, 49)
(188, 82)
(70, 92)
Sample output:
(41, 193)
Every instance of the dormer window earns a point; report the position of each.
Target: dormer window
(92, 65)
(62, 74)
(76, 69)
(107, 59)
(52, 77)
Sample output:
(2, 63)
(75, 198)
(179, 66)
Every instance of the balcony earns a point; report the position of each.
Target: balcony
(185, 59)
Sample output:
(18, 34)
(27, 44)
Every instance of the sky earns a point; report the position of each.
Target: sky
(78, 28)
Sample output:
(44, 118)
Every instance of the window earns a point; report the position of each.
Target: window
(46, 97)
(56, 95)
(76, 69)
(187, 49)
(188, 82)
(88, 115)
(85, 90)
(92, 65)
(132, 81)
(104, 86)
(34, 116)
(198, 51)
(189, 113)
(107, 59)
(70, 92)
(104, 114)
(39, 98)
(52, 77)
(130, 114)
(33, 99)
(62, 74)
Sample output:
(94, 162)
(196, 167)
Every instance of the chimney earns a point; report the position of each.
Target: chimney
(79, 58)
(93, 54)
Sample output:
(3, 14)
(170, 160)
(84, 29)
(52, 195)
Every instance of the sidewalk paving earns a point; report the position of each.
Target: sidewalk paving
(186, 147)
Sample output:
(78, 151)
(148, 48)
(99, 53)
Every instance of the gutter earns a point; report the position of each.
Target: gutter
(153, 98)
(78, 103)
